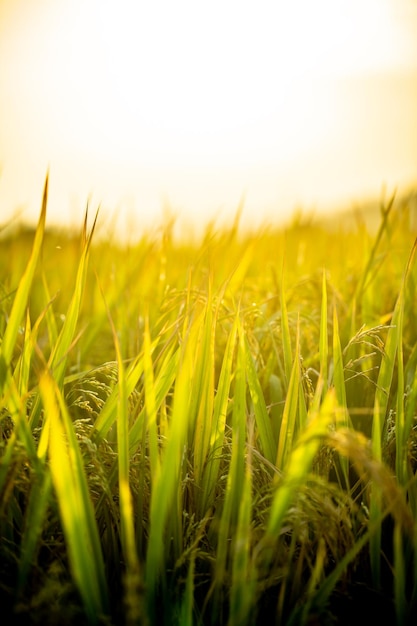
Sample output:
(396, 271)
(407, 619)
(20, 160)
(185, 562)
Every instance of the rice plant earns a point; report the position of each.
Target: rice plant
(216, 432)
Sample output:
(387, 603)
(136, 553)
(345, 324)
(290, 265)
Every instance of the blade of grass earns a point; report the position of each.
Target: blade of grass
(401, 435)
(235, 479)
(58, 359)
(221, 402)
(324, 343)
(263, 422)
(22, 294)
(76, 510)
(385, 212)
(340, 388)
(164, 381)
(36, 512)
(338, 370)
(242, 589)
(150, 401)
(299, 462)
(15, 406)
(163, 385)
(166, 486)
(133, 584)
(204, 388)
(287, 430)
(108, 414)
(285, 331)
(22, 370)
(404, 418)
(385, 377)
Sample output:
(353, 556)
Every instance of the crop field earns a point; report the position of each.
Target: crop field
(213, 432)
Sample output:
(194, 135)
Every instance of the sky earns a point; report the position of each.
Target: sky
(189, 108)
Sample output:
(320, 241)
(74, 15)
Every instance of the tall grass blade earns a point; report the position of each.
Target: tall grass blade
(108, 414)
(22, 294)
(76, 510)
(235, 479)
(288, 422)
(365, 277)
(404, 417)
(133, 584)
(285, 331)
(385, 377)
(324, 343)
(340, 389)
(108, 417)
(262, 419)
(338, 369)
(11, 403)
(58, 359)
(299, 462)
(36, 512)
(221, 402)
(163, 383)
(150, 400)
(204, 388)
(166, 486)
(242, 587)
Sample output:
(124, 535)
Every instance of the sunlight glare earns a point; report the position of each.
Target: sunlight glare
(195, 101)
(170, 81)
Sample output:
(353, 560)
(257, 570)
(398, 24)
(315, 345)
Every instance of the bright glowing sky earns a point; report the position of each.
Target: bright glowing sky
(136, 104)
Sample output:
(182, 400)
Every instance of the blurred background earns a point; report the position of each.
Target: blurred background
(189, 108)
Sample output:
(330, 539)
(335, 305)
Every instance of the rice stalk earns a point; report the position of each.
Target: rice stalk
(220, 410)
(22, 294)
(299, 462)
(288, 421)
(67, 337)
(286, 337)
(324, 343)
(234, 482)
(76, 510)
(243, 575)
(392, 349)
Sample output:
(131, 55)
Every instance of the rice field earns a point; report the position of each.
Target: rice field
(212, 432)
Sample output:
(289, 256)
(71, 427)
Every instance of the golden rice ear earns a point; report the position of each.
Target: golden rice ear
(356, 447)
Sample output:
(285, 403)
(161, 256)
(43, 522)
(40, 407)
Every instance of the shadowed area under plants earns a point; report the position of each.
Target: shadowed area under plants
(214, 432)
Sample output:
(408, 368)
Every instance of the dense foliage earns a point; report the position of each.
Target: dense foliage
(211, 432)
